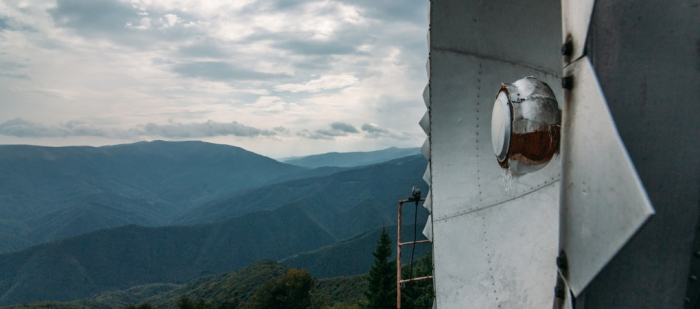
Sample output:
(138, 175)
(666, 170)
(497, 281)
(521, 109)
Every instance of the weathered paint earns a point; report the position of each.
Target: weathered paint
(495, 241)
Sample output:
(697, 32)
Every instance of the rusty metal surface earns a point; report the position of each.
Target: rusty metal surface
(603, 202)
(646, 55)
(416, 279)
(532, 125)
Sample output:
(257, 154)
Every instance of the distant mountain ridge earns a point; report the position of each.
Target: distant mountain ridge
(271, 222)
(50, 193)
(352, 159)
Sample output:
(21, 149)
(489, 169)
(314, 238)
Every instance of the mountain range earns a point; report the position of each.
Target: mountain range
(238, 227)
(350, 159)
(50, 193)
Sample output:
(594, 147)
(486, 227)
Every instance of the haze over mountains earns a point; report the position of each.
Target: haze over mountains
(54, 192)
(239, 208)
(350, 159)
(51, 193)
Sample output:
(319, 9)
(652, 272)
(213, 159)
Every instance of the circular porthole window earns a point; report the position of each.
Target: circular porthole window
(525, 125)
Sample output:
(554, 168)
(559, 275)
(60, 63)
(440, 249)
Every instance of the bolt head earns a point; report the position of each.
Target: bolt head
(567, 82)
(567, 49)
(693, 278)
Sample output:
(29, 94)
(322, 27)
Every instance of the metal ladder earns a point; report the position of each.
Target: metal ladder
(399, 281)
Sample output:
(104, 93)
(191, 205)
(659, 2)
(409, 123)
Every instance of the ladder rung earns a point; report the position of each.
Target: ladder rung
(416, 279)
(414, 242)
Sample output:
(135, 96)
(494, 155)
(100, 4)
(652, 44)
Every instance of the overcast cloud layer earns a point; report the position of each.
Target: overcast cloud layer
(278, 77)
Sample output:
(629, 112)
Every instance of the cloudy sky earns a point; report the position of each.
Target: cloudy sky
(278, 77)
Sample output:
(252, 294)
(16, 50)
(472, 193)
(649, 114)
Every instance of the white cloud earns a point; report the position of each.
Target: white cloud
(326, 82)
(269, 63)
(169, 20)
(19, 127)
(144, 24)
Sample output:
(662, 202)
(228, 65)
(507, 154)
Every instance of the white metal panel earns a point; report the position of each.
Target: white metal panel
(472, 195)
(524, 33)
(466, 175)
(603, 201)
(576, 16)
(499, 257)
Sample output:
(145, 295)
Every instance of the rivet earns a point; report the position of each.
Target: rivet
(687, 300)
(697, 254)
(567, 82)
(693, 278)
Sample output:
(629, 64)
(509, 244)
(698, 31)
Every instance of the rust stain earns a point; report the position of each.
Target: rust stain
(535, 147)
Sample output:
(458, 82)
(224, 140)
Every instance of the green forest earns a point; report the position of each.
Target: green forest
(272, 285)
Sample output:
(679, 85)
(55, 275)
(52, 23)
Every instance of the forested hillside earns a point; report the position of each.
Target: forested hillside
(50, 193)
(271, 222)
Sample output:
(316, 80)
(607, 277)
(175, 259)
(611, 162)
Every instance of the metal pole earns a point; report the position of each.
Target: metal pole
(398, 261)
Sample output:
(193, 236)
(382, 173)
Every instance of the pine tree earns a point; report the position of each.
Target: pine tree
(381, 280)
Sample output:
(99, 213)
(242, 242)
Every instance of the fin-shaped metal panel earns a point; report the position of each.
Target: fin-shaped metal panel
(428, 230)
(425, 149)
(603, 200)
(576, 15)
(427, 175)
(426, 95)
(425, 123)
(427, 68)
(428, 204)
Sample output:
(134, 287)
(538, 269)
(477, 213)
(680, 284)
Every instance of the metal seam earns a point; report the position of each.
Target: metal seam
(488, 57)
(496, 204)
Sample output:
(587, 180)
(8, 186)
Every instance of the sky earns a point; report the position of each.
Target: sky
(277, 77)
